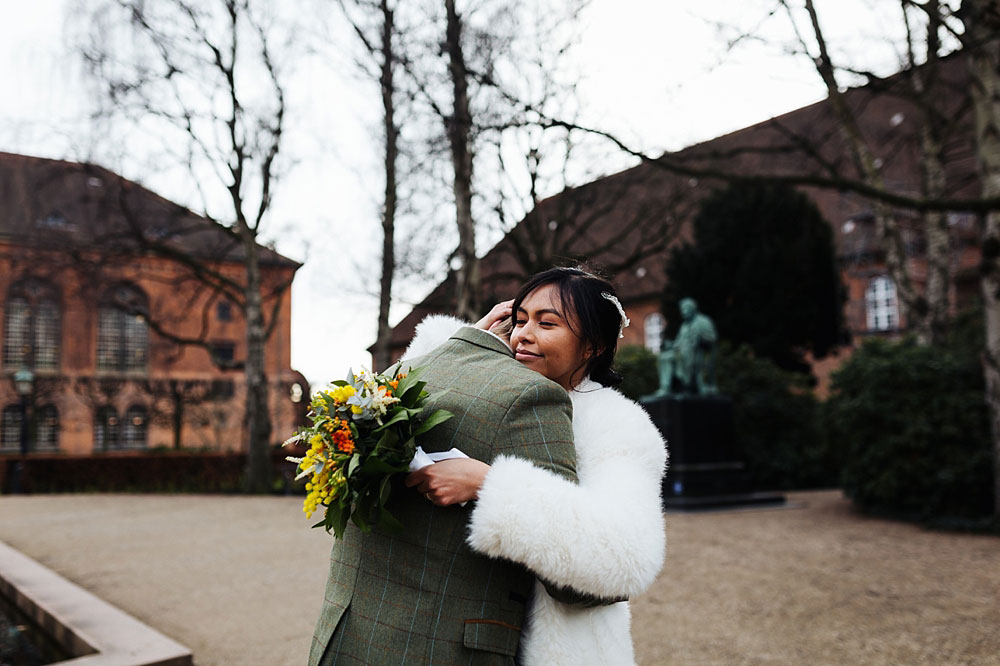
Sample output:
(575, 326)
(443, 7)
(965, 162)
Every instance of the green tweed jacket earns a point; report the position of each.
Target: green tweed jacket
(423, 597)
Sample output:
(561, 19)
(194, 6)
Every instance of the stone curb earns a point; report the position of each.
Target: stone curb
(94, 631)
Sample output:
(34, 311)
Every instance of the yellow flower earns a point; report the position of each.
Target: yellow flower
(356, 409)
(340, 394)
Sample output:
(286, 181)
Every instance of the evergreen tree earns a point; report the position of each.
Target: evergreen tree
(762, 266)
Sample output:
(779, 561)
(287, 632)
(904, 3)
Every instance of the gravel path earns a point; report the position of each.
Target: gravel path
(240, 580)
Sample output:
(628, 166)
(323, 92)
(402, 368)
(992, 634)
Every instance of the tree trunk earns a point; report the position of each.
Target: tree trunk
(924, 83)
(382, 355)
(982, 25)
(889, 233)
(459, 127)
(258, 416)
(932, 326)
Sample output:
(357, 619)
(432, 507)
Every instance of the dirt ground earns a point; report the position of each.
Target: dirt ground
(240, 580)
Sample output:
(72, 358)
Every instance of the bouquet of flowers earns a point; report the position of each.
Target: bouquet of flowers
(363, 432)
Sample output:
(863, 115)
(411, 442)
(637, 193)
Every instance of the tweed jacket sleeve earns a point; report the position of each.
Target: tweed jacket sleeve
(533, 430)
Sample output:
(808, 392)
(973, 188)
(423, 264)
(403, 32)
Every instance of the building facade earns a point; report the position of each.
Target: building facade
(628, 223)
(125, 345)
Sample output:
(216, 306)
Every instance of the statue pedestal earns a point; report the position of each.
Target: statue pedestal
(704, 470)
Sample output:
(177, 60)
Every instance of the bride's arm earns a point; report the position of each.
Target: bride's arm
(603, 537)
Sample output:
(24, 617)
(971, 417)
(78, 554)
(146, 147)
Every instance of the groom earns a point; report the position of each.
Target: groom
(423, 597)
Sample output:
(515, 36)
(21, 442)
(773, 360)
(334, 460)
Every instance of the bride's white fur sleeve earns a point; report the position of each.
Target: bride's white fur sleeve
(604, 536)
(434, 330)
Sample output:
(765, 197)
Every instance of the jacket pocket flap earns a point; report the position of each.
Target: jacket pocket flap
(492, 636)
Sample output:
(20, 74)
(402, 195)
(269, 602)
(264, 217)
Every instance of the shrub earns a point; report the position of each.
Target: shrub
(637, 366)
(914, 431)
(778, 423)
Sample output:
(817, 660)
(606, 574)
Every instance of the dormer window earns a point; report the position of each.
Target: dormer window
(54, 220)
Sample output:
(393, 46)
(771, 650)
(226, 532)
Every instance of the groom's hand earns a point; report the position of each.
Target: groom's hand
(449, 481)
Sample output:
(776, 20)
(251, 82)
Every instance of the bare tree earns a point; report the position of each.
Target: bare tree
(459, 131)
(171, 399)
(927, 310)
(981, 41)
(206, 76)
(469, 69)
(381, 44)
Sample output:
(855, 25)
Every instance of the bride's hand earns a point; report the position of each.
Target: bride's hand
(449, 481)
(499, 312)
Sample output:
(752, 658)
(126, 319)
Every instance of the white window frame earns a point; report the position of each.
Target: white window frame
(653, 328)
(881, 304)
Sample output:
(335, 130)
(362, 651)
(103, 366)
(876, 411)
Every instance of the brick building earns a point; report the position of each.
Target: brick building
(628, 222)
(97, 317)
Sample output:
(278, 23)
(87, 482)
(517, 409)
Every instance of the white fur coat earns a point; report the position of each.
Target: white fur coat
(603, 536)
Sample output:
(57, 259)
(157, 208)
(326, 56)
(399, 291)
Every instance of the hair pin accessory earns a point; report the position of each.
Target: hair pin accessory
(621, 311)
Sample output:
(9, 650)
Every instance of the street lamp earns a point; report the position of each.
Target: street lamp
(24, 384)
(24, 381)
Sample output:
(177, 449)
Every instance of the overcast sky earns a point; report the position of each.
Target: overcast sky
(654, 73)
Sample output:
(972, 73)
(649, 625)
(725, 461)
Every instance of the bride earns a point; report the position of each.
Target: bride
(604, 537)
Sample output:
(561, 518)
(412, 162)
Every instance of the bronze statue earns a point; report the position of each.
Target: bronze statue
(686, 365)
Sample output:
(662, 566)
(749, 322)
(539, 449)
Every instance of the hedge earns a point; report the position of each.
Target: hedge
(139, 471)
(779, 428)
(914, 430)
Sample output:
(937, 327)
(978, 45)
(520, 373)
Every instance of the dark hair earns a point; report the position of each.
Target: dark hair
(597, 318)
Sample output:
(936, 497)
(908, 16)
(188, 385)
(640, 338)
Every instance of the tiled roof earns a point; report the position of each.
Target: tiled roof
(47, 202)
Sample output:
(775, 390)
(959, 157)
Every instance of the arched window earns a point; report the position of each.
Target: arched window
(653, 328)
(10, 429)
(106, 429)
(47, 428)
(31, 331)
(134, 428)
(881, 307)
(122, 333)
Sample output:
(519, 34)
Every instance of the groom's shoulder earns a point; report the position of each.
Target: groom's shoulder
(459, 363)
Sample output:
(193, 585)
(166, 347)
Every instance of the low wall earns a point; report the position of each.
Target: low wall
(137, 471)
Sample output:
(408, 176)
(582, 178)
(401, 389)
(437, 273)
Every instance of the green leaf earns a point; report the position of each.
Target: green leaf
(384, 490)
(374, 466)
(437, 417)
(353, 463)
(401, 414)
(358, 519)
(388, 523)
(338, 519)
(408, 449)
(387, 441)
(412, 376)
(411, 396)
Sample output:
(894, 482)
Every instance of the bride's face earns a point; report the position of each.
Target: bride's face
(543, 338)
